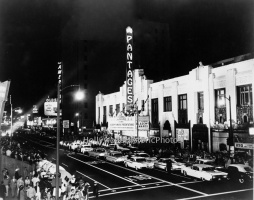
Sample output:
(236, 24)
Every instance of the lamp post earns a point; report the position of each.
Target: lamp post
(79, 96)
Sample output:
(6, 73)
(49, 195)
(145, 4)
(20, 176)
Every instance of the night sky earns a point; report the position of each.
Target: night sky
(31, 34)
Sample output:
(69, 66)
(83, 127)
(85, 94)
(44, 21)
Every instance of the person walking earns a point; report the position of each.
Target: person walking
(2, 190)
(96, 189)
(13, 186)
(169, 166)
(19, 183)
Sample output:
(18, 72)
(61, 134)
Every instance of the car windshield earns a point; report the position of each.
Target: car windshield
(140, 160)
(248, 169)
(143, 155)
(100, 150)
(86, 146)
(178, 159)
(208, 169)
(117, 155)
(209, 163)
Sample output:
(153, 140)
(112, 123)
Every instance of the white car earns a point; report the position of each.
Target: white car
(146, 156)
(85, 148)
(138, 163)
(204, 172)
(162, 164)
(115, 157)
(97, 153)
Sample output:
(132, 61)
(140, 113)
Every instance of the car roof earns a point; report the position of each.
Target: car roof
(118, 152)
(137, 157)
(238, 165)
(202, 165)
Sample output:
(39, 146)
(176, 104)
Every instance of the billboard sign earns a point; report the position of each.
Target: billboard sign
(66, 124)
(129, 68)
(50, 107)
(143, 123)
(127, 124)
(4, 90)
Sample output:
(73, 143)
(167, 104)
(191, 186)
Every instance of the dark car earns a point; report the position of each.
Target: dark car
(240, 172)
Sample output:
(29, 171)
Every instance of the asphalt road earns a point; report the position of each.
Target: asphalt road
(118, 182)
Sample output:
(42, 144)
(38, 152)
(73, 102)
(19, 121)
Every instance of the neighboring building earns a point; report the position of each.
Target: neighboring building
(193, 104)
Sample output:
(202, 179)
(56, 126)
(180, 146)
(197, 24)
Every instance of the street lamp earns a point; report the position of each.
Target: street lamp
(230, 136)
(79, 96)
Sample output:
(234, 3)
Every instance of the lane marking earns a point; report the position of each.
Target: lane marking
(175, 184)
(94, 180)
(215, 194)
(132, 186)
(64, 164)
(103, 170)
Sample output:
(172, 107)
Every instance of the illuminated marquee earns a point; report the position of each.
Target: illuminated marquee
(129, 68)
(60, 73)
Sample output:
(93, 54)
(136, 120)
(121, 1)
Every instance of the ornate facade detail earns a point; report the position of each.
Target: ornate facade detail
(220, 114)
(244, 114)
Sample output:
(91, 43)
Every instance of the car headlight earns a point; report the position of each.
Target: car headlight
(225, 176)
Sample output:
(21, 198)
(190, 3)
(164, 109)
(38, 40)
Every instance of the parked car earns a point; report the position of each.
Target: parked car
(204, 172)
(240, 172)
(115, 157)
(85, 148)
(138, 163)
(97, 153)
(162, 164)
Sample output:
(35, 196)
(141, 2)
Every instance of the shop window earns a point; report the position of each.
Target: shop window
(245, 119)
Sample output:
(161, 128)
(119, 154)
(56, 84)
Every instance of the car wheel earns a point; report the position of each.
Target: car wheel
(203, 179)
(241, 180)
(126, 165)
(184, 173)
(136, 168)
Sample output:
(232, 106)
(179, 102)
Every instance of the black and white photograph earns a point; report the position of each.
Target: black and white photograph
(126, 99)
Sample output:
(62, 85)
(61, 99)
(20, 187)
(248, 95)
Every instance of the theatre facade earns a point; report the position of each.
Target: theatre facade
(193, 109)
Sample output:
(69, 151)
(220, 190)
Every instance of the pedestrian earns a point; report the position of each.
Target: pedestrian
(38, 191)
(17, 175)
(22, 193)
(19, 183)
(169, 166)
(95, 189)
(25, 172)
(6, 184)
(13, 186)
(87, 185)
(31, 193)
(27, 181)
(2, 190)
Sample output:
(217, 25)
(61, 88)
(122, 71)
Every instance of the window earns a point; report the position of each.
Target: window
(201, 100)
(155, 113)
(143, 105)
(111, 110)
(220, 98)
(183, 102)
(85, 105)
(244, 95)
(104, 114)
(117, 108)
(167, 104)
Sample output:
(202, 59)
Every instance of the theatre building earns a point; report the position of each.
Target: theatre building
(194, 108)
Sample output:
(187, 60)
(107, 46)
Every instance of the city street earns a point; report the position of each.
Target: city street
(118, 182)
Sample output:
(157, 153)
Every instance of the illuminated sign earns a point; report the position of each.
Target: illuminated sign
(182, 134)
(50, 108)
(59, 74)
(129, 68)
(244, 145)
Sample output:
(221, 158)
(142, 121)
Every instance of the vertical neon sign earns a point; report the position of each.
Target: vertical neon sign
(129, 68)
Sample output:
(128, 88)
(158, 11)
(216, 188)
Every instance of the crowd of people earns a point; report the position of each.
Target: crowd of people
(35, 184)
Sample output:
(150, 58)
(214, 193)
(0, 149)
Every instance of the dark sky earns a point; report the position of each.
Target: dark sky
(31, 32)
